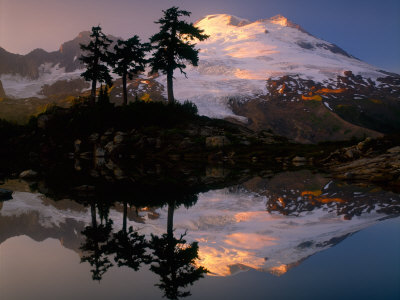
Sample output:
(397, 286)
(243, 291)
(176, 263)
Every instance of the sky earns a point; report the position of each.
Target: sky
(367, 29)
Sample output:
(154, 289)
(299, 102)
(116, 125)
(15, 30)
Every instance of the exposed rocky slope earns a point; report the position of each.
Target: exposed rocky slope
(371, 104)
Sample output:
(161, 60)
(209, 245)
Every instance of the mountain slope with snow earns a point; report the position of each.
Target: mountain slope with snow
(239, 56)
(245, 70)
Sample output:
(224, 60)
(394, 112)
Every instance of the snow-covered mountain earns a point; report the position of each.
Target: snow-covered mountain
(26, 76)
(241, 64)
(239, 56)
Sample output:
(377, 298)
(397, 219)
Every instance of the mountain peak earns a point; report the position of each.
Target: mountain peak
(221, 20)
(83, 34)
(224, 19)
(280, 20)
(284, 22)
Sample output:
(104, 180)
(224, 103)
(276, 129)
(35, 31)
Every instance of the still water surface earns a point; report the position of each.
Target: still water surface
(290, 235)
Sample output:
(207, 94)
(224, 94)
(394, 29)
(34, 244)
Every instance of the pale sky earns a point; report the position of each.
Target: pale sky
(367, 29)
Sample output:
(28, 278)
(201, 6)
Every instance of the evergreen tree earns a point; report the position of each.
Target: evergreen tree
(174, 45)
(129, 60)
(95, 59)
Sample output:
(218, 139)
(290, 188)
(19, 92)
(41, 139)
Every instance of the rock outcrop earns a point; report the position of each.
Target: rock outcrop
(370, 160)
(28, 174)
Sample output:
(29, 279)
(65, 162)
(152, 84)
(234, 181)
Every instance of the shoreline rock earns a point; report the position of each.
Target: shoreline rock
(367, 161)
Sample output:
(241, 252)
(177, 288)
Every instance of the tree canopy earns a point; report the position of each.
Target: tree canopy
(95, 59)
(129, 60)
(174, 45)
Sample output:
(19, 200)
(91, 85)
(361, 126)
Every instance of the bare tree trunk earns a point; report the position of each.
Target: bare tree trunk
(170, 88)
(93, 213)
(124, 90)
(93, 92)
(125, 217)
(94, 82)
(170, 222)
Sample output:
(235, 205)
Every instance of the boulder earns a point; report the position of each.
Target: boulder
(394, 150)
(186, 143)
(110, 147)
(151, 142)
(119, 174)
(77, 145)
(84, 188)
(363, 145)
(174, 157)
(298, 159)
(99, 151)
(104, 139)
(217, 141)
(206, 131)
(109, 132)
(119, 137)
(42, 121)
(158, 143)
(86, 154)
(94, 137)
(28, 174)
(5, 194)
(215, 172)
(349, 153)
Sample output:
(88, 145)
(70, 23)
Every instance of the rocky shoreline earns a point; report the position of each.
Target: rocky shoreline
(114, 136)
(376, 161)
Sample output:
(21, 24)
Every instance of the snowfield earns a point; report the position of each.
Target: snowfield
(17, 86)
(235, 62)
(239, 56)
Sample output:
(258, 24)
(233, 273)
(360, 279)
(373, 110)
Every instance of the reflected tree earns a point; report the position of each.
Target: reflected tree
(128, 246)
(174, 260)
(97, 244)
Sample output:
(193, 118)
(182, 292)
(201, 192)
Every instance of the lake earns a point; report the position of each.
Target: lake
(204, 234)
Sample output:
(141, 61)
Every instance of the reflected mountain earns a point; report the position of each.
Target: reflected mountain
(184, 226)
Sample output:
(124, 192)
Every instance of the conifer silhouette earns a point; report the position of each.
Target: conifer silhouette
(174, 45)
(96, 59)
(173, 259)
(96, 245)
(129, 60)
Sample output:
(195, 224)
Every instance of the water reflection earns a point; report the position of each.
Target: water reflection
(171, 258)
(184, 225)
(97, 245)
